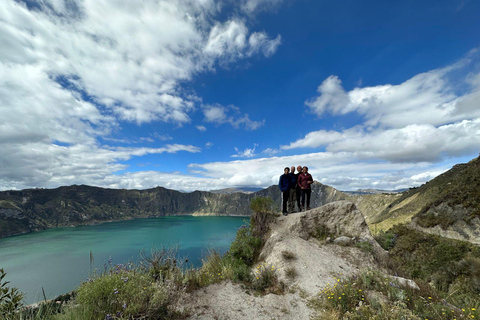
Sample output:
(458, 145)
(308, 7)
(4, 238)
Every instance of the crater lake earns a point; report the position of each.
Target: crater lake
(59, 260)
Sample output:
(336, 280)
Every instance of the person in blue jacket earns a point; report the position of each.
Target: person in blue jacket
(284, 185)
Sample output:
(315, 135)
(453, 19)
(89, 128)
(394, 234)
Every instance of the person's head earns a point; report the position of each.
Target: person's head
(299, 169)
(305, 169)
(286, 170)
(292, 169)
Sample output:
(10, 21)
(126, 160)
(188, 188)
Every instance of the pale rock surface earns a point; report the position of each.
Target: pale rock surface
(317, 264)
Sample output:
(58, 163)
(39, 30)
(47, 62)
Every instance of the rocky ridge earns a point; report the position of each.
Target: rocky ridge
(318, 263)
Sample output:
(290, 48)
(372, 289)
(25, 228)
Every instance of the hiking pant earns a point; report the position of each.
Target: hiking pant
(285, 200)
(306, 193)
(298, 194)
(292, 198)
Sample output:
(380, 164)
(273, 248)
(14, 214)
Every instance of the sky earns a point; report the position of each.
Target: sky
(204, 94)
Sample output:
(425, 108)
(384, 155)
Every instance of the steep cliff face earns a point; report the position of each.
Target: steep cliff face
(38, 209)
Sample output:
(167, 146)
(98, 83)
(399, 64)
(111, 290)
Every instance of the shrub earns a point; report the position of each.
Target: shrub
(246, 247)
(386, 239)
(10, 298)
(262, 216)
(266, 280)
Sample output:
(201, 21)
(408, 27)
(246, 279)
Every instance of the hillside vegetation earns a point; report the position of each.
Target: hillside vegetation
(449, 198)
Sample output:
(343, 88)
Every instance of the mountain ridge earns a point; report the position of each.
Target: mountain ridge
(29, 210)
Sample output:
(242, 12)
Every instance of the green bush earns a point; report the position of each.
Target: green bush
(245, 247)
(386, 239)
(10, 298)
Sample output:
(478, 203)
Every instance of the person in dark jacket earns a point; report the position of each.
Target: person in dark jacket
(292, 197)
(304, 181)
(284, 185)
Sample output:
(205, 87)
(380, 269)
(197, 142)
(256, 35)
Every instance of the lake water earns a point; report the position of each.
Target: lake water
(59, 259)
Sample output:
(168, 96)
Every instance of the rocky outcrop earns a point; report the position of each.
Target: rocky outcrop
(300, 233)
(317, 265)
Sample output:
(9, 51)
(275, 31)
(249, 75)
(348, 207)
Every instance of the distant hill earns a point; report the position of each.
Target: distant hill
(38, 209)
(373, 191)
(448, 205)
(233, 190)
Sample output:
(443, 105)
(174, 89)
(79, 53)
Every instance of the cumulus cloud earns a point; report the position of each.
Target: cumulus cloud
(422, 119)
(332, 97)
(426, 98)
(201, 128)
(219, 114)
(74, 71)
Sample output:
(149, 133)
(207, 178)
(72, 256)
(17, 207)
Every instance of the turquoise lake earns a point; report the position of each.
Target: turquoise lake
(59, 259)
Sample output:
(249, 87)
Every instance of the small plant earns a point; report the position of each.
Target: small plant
(291, 273)
(289, 255)
(10, 298)
(266, 280)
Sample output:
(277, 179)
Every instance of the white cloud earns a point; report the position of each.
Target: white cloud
(332, 97)
(426, 98)
(259, 42)
(342, 170)
(73, 71)
(50, 165)
(421, 119)
(252, 6)
(219, 114)
(201, 128)
(208, 145)
(412, 143)
(247, 153)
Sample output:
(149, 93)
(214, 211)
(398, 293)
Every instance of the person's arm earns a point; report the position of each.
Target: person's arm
(310, 179)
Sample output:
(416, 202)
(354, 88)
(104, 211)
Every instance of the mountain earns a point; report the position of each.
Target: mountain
(448, 205)
(38, 209)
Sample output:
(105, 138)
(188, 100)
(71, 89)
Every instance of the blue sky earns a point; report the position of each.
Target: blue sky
(201, 95)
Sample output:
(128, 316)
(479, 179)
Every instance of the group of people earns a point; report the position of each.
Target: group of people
(295, 187)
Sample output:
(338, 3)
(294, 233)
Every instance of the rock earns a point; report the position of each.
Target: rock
(406, 283)
(343, 241)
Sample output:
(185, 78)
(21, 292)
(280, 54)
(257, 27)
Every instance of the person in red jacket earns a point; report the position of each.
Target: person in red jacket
(304, 182)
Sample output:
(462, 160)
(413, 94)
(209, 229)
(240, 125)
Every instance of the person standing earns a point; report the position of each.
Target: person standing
(284, 185)
(304, 181)
(292, 197)
(298, 189)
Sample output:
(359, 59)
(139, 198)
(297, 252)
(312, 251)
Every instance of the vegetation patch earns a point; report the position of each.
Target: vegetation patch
(288, 255)
(373, 296)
